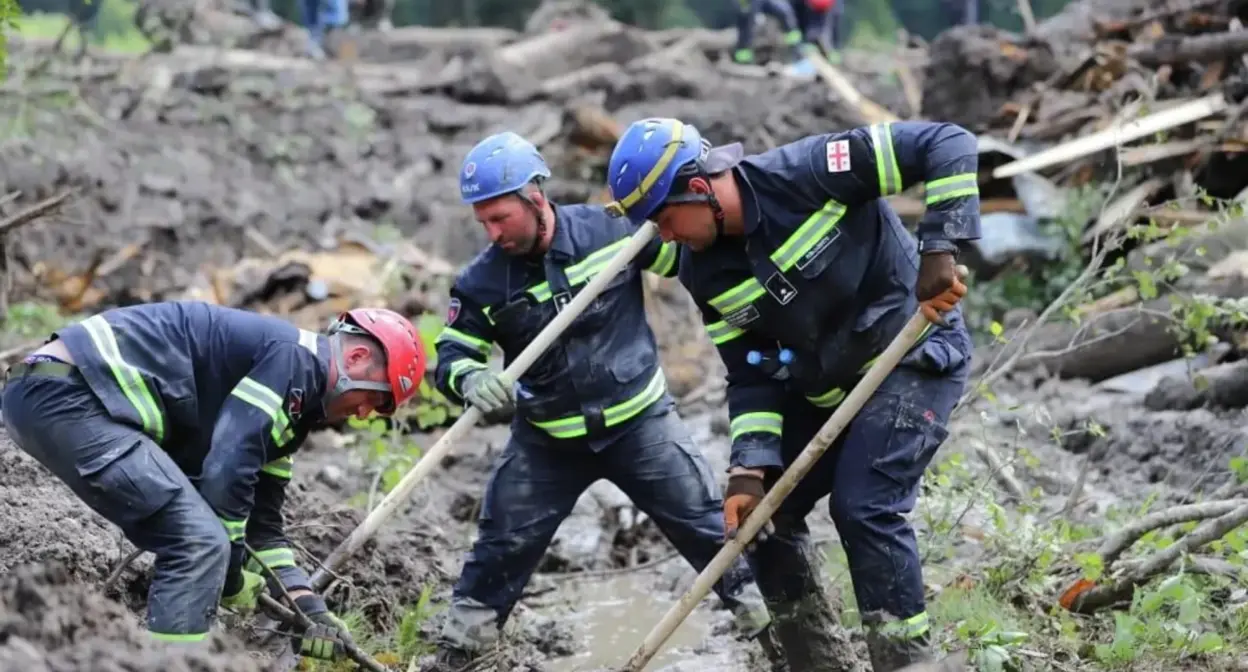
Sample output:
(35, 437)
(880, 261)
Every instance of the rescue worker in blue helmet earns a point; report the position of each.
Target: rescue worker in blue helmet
(595, 405)
(804, 274)
(178, 422)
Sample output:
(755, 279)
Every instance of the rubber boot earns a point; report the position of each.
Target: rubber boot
(811, 637)
(890, 654)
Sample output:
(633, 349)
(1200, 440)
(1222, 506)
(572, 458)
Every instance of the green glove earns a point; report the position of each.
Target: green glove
(489, 393)
(244, 601)
(323, 642)
(328, 636)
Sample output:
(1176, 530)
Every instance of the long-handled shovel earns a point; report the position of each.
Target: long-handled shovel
(366, 529)
(763, 512)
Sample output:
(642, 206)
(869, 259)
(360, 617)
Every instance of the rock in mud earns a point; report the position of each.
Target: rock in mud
(50, 623)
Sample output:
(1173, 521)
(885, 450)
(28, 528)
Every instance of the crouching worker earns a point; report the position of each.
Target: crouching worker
(178, 421)
(595, 405)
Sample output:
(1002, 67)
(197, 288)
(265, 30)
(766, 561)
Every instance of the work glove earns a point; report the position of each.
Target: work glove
(744, 492)
(938, 288)
(244, 600)
(489, 393)
(328, 636)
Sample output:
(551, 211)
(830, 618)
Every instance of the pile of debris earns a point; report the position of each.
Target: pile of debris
(1102, 75)
(188, 161)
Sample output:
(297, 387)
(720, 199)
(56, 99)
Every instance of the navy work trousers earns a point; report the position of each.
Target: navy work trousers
(125, 477)
(871, 475)
(534, 487)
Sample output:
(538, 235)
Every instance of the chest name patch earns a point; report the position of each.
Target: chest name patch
(814, 252)
(742, 316)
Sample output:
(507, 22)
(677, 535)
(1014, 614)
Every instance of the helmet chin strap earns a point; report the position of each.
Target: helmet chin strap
(541, 224)
(344, 382)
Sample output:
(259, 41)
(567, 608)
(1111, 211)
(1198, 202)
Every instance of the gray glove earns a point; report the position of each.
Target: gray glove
(489, 393)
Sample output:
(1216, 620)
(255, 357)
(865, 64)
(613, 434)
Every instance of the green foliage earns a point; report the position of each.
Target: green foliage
(113, 30)
(9, 11)
(33, 320)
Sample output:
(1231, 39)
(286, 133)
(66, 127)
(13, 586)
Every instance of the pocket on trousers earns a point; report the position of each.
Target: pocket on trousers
(916, 436)
(132, 487)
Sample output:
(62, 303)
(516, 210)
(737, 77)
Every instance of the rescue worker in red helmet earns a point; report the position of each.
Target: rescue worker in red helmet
(179, 421)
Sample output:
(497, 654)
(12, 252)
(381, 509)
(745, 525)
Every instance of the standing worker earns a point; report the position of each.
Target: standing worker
(804, 275)
(178, 422)
(752, 12)
(593, 406)
(322, 18)
(821, 23)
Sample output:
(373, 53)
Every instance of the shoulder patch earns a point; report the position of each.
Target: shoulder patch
(838, 156)
(294, 404)
(452, 311)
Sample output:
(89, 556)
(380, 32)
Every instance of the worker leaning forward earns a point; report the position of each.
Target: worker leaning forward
(178, 421)
(593, 406)
(804, 275)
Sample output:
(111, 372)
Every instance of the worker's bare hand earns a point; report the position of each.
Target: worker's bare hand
(745, 490)
(939, 287)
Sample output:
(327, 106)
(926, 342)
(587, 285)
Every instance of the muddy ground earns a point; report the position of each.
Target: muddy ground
(607, 578)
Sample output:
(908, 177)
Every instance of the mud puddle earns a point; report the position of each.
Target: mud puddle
(613, 615)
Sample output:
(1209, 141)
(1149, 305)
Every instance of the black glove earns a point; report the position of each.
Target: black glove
(328, 636)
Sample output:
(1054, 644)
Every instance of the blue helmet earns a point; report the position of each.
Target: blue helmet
(645, 163)
(500, 164)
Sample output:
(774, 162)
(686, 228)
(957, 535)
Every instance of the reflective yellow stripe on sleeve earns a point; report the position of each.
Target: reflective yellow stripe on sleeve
(757, 421)
(885, 159)
(954, 186)
(664, 261)
(281, 468)
(449, 335)
(275, 558)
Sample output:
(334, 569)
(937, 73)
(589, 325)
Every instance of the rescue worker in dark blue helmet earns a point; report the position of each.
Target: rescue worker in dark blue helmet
(804, 274)
(178, 423)
(595, 405)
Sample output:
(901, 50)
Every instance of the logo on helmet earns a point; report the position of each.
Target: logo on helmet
(405, 383)
(470, 169)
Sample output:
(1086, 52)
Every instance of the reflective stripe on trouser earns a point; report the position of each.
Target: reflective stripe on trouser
(535, 486)
(871, 476)
(576, 425)
(121, 474)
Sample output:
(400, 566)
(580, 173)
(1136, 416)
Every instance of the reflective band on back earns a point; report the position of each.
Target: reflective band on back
(270, 403)
(954, 186)
(886, 159)
(574, 426)
(128, 378)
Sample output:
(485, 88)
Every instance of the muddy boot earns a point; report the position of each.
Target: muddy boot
(448, 659)
(772, 651)
(892, 653)
(811, 636)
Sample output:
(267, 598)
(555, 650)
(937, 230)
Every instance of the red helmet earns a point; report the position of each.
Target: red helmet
(405, 353)
(820, 5)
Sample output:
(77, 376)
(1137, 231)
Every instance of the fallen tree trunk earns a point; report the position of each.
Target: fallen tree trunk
(1110, 343)
(1176, 49)
(1225, 385)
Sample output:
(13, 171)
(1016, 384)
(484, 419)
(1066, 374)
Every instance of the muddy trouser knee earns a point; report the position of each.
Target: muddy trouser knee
(531, 491)
(128, 479)
(661, 470)
(885, 451)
